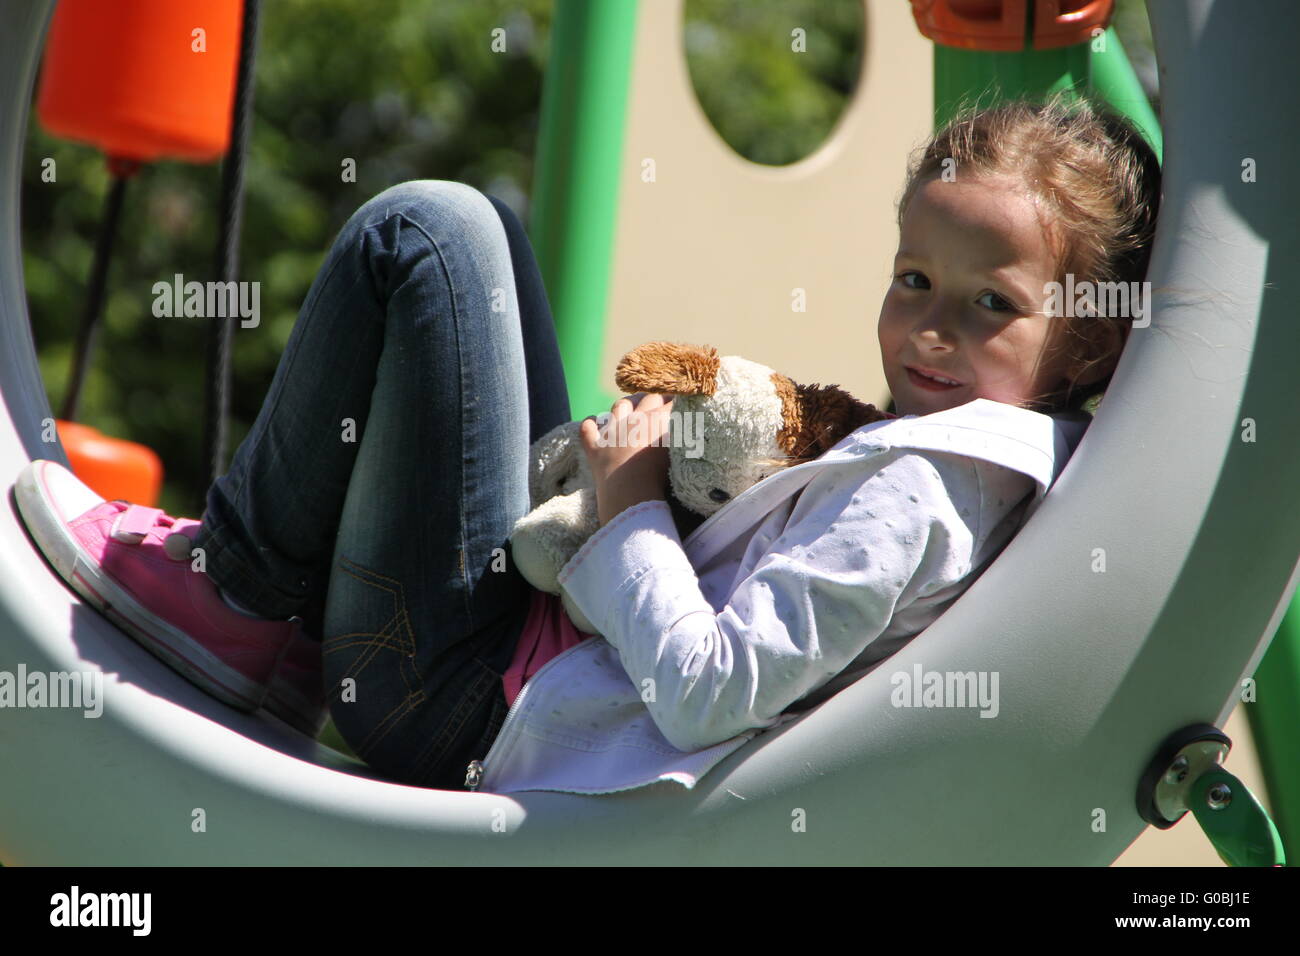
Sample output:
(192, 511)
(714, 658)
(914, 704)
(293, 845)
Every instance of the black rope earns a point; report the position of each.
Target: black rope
(220, 329)
(121, 170)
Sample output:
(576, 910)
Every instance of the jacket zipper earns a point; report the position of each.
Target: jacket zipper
(476, 769)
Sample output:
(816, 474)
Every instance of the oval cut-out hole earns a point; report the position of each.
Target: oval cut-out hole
(774, 76)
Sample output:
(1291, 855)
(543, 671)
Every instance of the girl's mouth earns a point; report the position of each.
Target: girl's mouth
(930, 384)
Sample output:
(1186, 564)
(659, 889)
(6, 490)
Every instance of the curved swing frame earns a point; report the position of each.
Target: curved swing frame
(1095, 668)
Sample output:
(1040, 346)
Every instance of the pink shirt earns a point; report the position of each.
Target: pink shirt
(547, 633)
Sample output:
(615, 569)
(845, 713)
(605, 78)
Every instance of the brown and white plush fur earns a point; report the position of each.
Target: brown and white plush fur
(753, 422)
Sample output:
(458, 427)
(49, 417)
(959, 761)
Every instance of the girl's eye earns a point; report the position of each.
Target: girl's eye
(996, 303)
(904, 276)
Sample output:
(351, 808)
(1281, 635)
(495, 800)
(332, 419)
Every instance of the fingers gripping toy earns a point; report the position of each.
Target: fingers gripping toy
(733, 423)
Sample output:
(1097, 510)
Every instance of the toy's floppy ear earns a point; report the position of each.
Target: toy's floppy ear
(669, 368)
(817, 418)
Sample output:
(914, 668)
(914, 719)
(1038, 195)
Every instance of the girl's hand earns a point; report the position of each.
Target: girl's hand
(629, 456)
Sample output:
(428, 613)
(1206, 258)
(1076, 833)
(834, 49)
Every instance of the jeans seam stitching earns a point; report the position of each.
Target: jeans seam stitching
(395, 635)
(460, 364)
(397, 592)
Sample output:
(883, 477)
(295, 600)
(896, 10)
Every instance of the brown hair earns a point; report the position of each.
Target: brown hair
(1098, 179)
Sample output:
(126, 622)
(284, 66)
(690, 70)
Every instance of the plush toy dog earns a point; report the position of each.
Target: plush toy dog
(733, 422)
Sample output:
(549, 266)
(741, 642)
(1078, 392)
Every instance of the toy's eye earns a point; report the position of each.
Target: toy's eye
(717, 494)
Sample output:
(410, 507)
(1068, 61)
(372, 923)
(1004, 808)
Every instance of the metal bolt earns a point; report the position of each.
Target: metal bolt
(1218, 796)
(1177, 771)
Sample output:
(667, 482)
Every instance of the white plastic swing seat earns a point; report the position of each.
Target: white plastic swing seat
(1200, 533)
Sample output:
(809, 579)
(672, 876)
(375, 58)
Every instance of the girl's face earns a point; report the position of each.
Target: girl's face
(967, 299)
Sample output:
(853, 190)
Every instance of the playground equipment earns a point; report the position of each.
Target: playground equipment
(1097, 670)
(147, 81)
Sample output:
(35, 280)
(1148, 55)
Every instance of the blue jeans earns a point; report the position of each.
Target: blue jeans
(377, 489)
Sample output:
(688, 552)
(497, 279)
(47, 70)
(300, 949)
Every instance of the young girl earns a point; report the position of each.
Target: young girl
(354, 560)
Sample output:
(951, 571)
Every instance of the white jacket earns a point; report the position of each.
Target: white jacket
(787, 594)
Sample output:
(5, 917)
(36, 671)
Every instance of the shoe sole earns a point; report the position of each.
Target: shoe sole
(168, 643)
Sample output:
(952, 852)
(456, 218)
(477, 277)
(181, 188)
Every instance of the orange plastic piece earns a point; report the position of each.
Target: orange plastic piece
(131, 79)
(1060, 23)
(972, 24)
(1000, 25)
(112, 467)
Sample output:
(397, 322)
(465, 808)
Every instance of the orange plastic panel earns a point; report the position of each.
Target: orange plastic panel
(973, 24)
(112, 467)
(128, 77)
(999, 25)
(1060, 23)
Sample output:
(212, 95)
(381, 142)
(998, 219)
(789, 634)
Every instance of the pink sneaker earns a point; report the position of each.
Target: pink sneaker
(133, 564)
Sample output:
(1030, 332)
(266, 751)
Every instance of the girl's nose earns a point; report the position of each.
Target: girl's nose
(935, 330)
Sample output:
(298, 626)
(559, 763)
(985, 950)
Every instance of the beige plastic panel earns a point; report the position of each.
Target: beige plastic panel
(711, 251)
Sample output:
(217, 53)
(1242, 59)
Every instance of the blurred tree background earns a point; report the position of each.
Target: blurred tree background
(409, 89)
